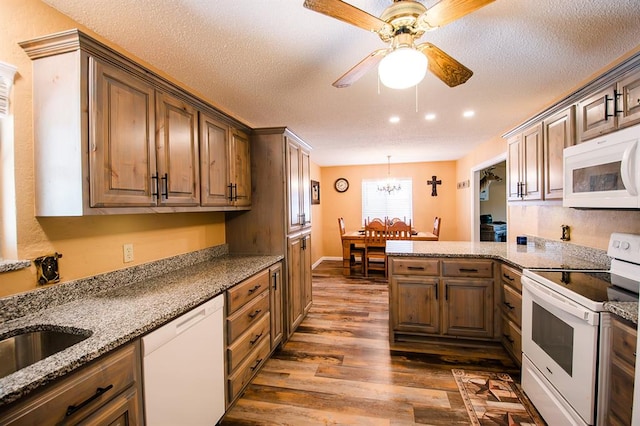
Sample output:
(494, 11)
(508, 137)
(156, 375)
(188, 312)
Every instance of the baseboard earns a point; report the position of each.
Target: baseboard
(319, 261)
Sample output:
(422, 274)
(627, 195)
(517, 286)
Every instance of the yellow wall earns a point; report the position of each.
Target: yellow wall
(89, 245)
(349, 204)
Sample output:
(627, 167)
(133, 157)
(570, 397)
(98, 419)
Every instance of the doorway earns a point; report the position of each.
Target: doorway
(489, 204)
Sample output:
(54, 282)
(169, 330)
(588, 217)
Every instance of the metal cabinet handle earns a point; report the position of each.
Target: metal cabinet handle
(252, 290)
(165, 178)
(509, 338)
(509, 305)
(474, 270)
(154, 182)
(257, 363)
(275, 280)
(255, 339)
(507, 276)
(230, 186)
(255, 313)
(415, 268)
(74, 408)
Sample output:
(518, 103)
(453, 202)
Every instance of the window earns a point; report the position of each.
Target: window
(8, 243)
(398, 203)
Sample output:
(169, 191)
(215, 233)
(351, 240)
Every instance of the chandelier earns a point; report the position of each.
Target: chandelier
(390, 185)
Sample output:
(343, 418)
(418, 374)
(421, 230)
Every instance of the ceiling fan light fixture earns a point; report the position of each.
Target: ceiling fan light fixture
(402, 68)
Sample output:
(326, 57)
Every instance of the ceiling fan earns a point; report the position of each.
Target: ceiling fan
(400, 25)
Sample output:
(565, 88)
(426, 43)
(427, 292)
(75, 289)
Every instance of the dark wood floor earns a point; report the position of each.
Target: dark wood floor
(338, 367)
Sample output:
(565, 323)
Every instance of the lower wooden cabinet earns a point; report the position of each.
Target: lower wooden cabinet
(276, 302)
(511, 309)
(620, 380)
(440, 298)
(298, 292)
(248, 331)
(105, 392)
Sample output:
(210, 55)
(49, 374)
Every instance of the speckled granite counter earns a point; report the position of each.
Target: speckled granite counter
(536, 254)
(117, 308)
(626, 310)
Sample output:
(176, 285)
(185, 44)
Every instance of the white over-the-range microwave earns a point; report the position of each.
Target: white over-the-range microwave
(604, 172)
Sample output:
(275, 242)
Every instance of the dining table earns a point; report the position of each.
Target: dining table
(357, 238)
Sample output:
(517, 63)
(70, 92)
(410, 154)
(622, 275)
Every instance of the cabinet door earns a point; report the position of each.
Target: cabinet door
(241, 166)
(293, 185)
(305, 186)
(629, 89)
(122, 157)
(305, 274)
(532, 163)
(596, 115)
(558, 134)
(295, 292)
(277, 329)
(468, 307)
(414, 306)
(214, 165)
(123, 410)
(177, 152)
(513, 167)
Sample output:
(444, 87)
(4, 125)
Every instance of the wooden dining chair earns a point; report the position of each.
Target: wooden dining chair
(436, 226)
(355, 250)
(375, 239)
(399, 230)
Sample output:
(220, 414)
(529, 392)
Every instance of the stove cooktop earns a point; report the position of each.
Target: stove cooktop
(588, 288)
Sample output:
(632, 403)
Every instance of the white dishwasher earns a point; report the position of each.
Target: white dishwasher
(183, 368)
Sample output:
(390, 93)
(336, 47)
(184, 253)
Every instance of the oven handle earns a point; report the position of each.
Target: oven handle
(559, 301)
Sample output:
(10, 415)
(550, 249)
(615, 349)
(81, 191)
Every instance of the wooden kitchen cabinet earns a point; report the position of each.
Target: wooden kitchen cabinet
(559, 133)
(113, 137)
(511, 310)
(524, 162)
(276, 305)
(279, 222)
(298, 300)
(613, 107)
(105, 392)
(299, 181)
(248, 331)
(440, 298)
(225, 165)
(620, 384)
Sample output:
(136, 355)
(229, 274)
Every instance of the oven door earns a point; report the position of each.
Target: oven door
(560, 337)
(603, 172)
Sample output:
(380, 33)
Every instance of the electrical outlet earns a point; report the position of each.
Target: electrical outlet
(128, 253)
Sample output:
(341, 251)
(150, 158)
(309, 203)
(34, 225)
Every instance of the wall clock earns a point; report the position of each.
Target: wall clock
(341, 185)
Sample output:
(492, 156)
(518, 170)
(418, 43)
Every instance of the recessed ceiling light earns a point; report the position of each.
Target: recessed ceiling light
(430, 116)
(394, 119)
(469, 113)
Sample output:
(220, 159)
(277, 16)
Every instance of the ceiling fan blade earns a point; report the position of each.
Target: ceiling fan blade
(360, 69)
(447, 11)
(349, 14)
(444, 66)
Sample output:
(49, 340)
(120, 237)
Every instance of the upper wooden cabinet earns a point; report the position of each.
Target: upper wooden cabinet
(525, 165)
(559, 133)
(614, 107)
(113, 137)
(298, 168)
(224, 163)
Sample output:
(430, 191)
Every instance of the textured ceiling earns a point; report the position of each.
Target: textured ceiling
(272, 62)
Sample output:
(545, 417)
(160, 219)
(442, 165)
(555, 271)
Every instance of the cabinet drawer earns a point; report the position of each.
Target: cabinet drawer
(467, 268)
(247, 370)
(249, 314)
(247, 290)
(113, 373)
(512, 304)
(623, 342)
(247, 342)
(512, 338)
(511, 276)
(400, 266)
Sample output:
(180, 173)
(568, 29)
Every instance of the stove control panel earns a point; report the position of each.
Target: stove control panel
(624, 247)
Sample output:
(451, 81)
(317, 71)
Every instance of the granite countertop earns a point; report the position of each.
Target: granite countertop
(119, 314)
(538, 253)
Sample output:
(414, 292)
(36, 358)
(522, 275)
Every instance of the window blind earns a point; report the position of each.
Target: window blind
(398, 203)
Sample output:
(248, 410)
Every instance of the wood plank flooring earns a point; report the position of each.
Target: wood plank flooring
(338, 367)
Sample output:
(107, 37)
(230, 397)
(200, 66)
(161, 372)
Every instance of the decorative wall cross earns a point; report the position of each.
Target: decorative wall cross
(434, 182)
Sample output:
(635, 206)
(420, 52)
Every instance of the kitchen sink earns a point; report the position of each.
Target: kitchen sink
(28, 347)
